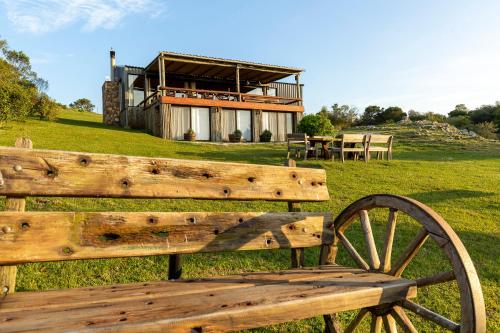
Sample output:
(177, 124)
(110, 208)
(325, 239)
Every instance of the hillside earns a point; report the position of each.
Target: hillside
(457, 175)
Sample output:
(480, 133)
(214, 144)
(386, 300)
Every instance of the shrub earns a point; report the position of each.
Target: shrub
(439, 118)
(266, 136)
(389, 115)
(315, 124)
(46, 108)
(415, 115)
(237, 135)
(486, 130)
(459, 121)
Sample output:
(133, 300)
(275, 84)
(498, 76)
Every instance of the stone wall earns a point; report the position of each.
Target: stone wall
(111, 103)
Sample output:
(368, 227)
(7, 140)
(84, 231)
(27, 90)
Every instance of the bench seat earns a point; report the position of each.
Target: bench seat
(225, 303)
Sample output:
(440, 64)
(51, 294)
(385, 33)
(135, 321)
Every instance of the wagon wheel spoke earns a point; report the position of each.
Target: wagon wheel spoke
(389, 324)
(440, 277)
(369, 240)
(376, 324)
(430, 315)
(352, 252)
(410, 252)
(402, 319)
(355, 322)
(332, 324)
(385, 261)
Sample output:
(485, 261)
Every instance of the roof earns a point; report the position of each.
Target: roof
(196, 65)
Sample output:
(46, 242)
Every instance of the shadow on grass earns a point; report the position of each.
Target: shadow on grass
(439, 196)
(93, 124)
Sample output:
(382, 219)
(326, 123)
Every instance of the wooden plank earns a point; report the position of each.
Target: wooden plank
(209, 310)
(17, 204)
(59, 173)
(231, 104)
(77, 297)
(47, 236)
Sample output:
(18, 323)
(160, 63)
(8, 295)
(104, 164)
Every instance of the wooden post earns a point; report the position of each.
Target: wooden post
(238, 82)
(297, 254)
(16, 204)
(297, 87)
(146, 87)
(174, 267)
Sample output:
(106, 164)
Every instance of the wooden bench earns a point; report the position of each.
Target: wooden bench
(374, 142)
(217, 304)
(348, 144)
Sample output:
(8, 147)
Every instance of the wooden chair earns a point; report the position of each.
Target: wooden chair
(348, 144)
(298, 143)
(373, 140)
(211, 304)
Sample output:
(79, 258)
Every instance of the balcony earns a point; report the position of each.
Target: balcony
(224, 99)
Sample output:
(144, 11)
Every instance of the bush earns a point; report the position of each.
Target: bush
(439, 118)
(237, 135)
(46, 108)
(390, 115)
(486, 130)
(266, 136)
(415, 115)
(459, 121)
(315, 124)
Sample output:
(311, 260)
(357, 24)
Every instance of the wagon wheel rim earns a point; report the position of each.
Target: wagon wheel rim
(432, 226)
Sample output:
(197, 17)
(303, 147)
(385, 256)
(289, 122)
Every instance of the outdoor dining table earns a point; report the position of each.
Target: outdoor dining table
(324, 140)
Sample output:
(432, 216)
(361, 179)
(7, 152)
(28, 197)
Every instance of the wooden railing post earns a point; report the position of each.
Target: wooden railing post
(297, 254)
(174, 267)
(18, 204)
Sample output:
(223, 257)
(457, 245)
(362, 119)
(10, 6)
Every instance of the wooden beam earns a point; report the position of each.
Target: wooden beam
(231, 104)
(55, 236)
(75, 174)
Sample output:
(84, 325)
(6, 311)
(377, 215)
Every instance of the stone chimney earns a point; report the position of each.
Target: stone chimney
(111, 95)
(112, 63)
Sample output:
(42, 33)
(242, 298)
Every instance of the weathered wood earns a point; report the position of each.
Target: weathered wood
(369, 240)
(410, 252)
(174, 267)
(473, 315)
(332, 324)
(376, 324)
(58, 173)
(389, 324)
(47, 236)
(218, 305)
(430, 315)
(385, 262)
(435, 279)
(402, 319)
(352, 252)
(16, 204)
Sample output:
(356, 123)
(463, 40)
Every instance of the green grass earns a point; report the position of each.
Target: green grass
(459, 179)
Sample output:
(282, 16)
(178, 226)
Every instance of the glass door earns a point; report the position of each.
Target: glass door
(244, 123)
(200, 122)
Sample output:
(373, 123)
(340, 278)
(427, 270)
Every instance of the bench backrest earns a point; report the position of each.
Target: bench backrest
(48, 236)
(353, 138)
(380, 138)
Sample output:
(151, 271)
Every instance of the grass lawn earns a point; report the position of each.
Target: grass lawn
(459, 179)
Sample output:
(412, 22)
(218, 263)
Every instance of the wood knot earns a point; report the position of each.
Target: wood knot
(152, 220)
(126, 183)
(18, 168)
(67, 251)
(84, 160)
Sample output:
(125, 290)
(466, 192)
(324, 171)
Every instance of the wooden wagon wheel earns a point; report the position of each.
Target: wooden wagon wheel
(433, 226)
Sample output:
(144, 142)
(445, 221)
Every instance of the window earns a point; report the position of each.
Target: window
(279, 123)
(135, 95)
(236, 119)
(184, 118)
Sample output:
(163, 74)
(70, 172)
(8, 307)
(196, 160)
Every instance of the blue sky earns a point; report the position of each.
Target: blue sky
(423, 55)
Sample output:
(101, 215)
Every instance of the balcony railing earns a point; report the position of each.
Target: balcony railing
(217, 95)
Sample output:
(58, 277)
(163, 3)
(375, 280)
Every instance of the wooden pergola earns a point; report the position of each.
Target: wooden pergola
(217, 69)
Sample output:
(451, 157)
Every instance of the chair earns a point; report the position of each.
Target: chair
(297, 143)
(348, 145)
(380, 150)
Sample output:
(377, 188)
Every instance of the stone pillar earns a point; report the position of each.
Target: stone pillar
(111, 103)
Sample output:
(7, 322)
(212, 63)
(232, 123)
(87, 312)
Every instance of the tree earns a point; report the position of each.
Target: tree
(415, 115)
(370, 115)
(316, 124)
(343, 116)
(460, 110)
(82, 104)
(391, 114)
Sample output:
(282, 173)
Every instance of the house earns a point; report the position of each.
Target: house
(212, 96)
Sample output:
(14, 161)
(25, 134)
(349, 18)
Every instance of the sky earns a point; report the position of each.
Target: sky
(422, 55)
